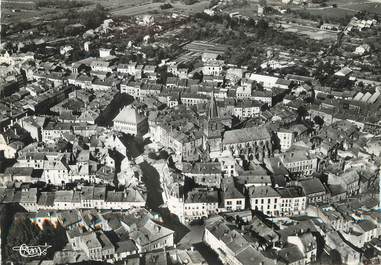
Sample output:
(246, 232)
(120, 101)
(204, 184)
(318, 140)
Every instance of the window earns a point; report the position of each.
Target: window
(229, 202)
(239, 202)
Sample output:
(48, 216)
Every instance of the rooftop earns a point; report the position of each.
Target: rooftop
(129, 115)
(246, 135)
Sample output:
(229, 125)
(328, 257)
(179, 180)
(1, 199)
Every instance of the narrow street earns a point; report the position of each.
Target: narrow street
(185, 237)
(151, 179)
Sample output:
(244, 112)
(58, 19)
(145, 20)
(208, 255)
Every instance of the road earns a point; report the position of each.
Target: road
(185, 236)
(151, 179)
(194, 239)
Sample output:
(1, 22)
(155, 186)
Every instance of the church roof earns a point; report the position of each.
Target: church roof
(246, 135)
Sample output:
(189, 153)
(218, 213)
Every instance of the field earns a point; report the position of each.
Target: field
(115, 7)
(147, 7)
(330, 12)
(134, 10)
(344, 9)
(26, 15)
(250, 10)
(369, 7)
(312, 33)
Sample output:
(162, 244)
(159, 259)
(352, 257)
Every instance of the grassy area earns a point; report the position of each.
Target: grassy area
(147, 7)
(26, 15)
(135, 10)
(250, 10)
(345, 2)
(328, 13)
(369, 7)
(190, 9)
(115, 7)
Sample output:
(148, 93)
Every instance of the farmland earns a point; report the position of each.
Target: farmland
(147, 7)
(16, 13)
(329, 13)
(134, 10)
(313, 33)
(343, 9)
(369, 7)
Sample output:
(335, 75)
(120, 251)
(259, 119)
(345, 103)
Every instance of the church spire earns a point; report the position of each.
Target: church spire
(213, 111)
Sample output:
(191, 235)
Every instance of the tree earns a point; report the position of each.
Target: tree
(262, 27)
(55, 236)
(21, 232)
(319, 121)
(163, 154)
(166, 6)
(152, 155)
(93, 18)
(198, 75)
(302, 112)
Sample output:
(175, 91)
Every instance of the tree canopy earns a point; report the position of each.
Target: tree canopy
(23, 231)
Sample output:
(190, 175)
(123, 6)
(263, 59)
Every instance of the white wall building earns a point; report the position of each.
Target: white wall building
(265, 199)
(286, 139)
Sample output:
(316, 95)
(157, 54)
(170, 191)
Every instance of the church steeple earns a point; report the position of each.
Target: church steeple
(213, 111)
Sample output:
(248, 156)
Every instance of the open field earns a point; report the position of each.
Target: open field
(369, 7)
(249, 10)
(27, 15)
(330, 12)
(115, 7)
(143, 8)
(346, 2)
(190, 9)
(134, 10)
(312, 33)
(344, 8)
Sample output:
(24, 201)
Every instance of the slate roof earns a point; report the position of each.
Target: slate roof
(311, 186)
(246, 135)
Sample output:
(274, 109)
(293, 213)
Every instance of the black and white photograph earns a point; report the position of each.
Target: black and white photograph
(190, 132)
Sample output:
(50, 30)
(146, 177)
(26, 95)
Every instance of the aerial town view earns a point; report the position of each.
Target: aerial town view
(190, 132)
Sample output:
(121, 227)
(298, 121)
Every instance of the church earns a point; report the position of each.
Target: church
(213, 127)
